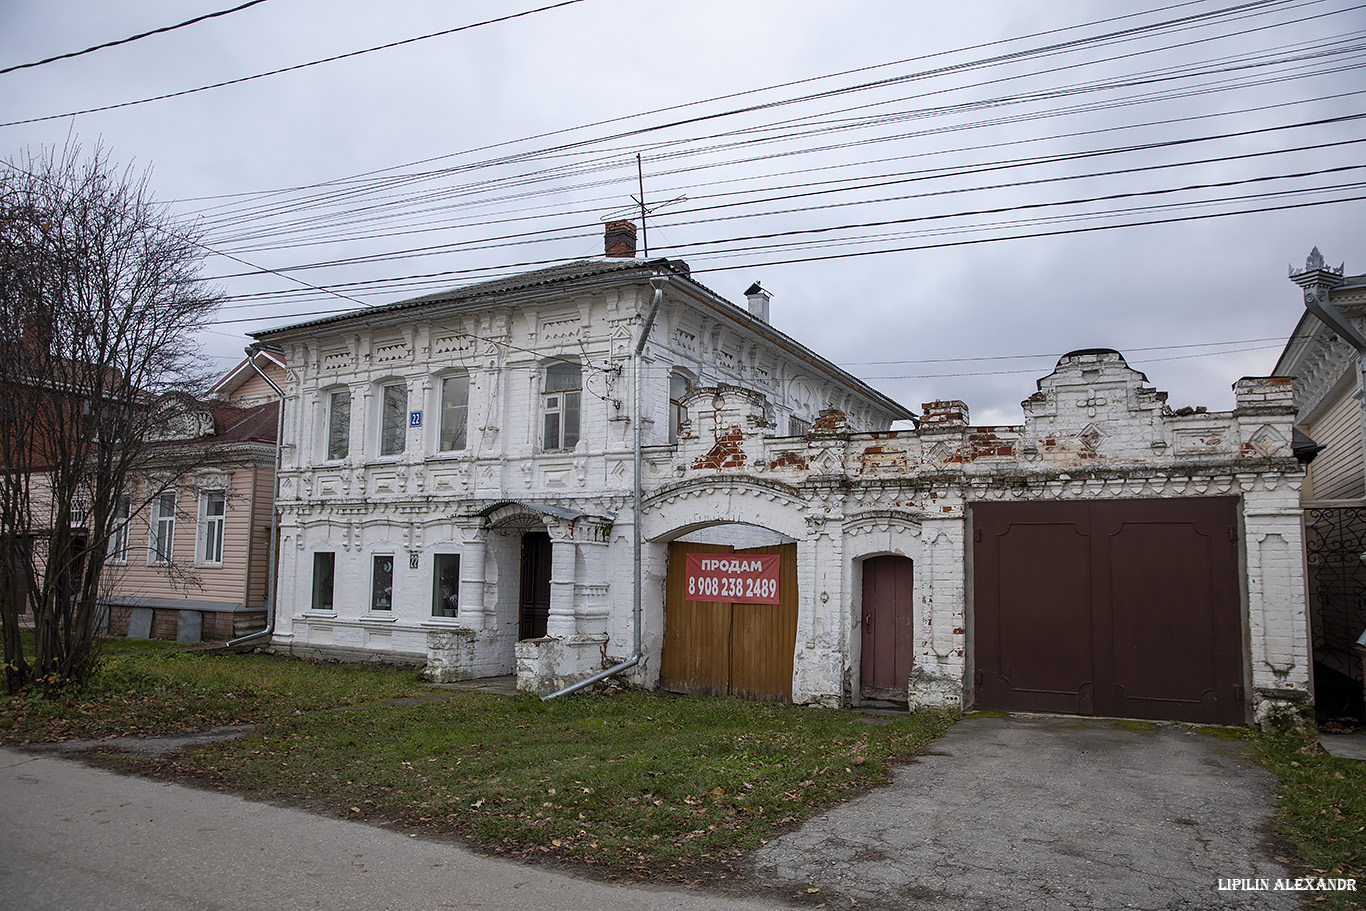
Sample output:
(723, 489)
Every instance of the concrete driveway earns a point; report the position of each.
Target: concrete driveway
(1047, 813)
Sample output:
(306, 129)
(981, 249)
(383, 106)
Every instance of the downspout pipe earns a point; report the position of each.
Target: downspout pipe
(658, 282)
(252, 351)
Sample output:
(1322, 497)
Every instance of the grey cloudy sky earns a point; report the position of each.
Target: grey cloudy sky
(925, 222)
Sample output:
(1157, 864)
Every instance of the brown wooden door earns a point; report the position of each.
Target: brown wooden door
(696, 656)
(764, 636)
(534, 598)
(1125, 608)
(720, 648)
(888, 638)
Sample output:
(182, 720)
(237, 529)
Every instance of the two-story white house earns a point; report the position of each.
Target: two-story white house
(458, 469)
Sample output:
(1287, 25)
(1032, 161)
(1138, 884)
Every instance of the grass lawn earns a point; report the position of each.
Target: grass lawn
(635, 784)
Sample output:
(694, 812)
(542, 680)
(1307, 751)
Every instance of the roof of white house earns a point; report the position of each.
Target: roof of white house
(585, 274)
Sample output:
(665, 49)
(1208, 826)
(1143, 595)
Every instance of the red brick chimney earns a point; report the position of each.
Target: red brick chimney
(620, 239)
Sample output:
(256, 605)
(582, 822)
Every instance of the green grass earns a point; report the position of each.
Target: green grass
(633, 783)
(631, 780)
(168, 691)
(1320, 811)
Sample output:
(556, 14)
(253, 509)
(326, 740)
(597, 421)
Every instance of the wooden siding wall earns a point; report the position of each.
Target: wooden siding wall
(256, 391)
(1336, 474)
(226, 583)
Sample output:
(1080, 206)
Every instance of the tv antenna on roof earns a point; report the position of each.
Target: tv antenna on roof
(645, 210)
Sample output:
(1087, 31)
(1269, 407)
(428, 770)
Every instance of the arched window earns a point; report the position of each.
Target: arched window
(679, 387)
(560, 402)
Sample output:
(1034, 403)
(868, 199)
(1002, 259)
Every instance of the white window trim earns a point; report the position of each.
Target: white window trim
(116, 554)
(393, 578)
(439, 411)
(313, 610)
(328, 411)
(403, 418)
(201, 557)
(154, 523)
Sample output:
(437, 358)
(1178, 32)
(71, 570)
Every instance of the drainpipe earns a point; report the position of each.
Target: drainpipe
(252, 351)
(657, 282)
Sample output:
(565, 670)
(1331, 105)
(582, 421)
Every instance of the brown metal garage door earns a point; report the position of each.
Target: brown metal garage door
(729, 649)
(1125, 608)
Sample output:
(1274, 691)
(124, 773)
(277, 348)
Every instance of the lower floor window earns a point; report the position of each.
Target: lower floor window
(446, 585)
(324, 566)
(382, 587)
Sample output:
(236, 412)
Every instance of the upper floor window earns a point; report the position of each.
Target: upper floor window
(679, 387)
(213, 507)
(162, 534)
(455, 408)
(560, 404)
(393, 420)
(796, 427)
(118, 532)
(339, 424)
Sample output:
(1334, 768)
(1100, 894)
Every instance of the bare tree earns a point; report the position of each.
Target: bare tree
(101, 300)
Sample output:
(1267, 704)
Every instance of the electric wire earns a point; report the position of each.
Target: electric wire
(294, 67)
(130, 39)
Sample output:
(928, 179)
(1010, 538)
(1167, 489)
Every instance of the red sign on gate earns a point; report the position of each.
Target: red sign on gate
(737, 578)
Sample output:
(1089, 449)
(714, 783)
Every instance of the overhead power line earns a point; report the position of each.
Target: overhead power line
(297, 66)
(131, 38)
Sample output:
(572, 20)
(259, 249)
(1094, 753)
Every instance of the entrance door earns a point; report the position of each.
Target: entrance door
(534, 600)
(729, 649)
(1125, 608)
(888, 635)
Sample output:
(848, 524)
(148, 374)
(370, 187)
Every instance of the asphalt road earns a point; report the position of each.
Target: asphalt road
(74, 838)
(1039, 813)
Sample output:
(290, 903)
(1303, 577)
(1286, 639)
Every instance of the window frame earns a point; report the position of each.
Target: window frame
(440, 600)
(159, 519)
(337, 439)
(446, 416)
(798, 427)
(393, 439)
(555, 403)
(678, 415)
(116, 551)
(315, 602)
(377, 605)
(207, 523)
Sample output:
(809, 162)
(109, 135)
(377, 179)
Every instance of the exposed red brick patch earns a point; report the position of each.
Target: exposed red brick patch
(790, 460)
(830, 420)
(727, 453)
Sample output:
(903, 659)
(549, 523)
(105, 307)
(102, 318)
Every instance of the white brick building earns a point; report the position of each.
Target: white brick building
(458, 469)
(458, 479)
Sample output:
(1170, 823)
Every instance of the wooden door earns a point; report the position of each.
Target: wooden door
(534, 597)
(721, 648)
(764, 636)
(888, 637)
(696, 656)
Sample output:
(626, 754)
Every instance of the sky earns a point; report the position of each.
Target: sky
(942, 198)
